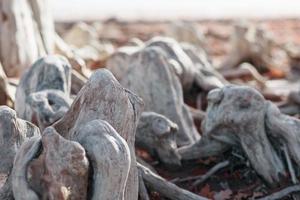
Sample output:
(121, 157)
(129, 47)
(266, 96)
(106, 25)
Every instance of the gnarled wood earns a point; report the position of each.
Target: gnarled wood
(60, 171)
(43, 92)
(152, 78)
(249, 44)
(103, 98)
(193, 67)
(241, 111)
(207, 78)
(167, 189)
(119, 61)
(28, 151)
(240, 116)
(156, 133)
(187, 32)
(13, 133)
(110, 159)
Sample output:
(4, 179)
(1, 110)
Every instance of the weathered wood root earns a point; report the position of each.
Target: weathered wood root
(244, 70)
(110, 159)
(165, 188)
(152, 78)
(13, 133)
(240, 116)
(61, 169)
(202, 178)
(121, 110)
(191, 65)
(43, 94)
(27, 32)
(28, 151)
(250, 44)
(212, 171)
(156, 134)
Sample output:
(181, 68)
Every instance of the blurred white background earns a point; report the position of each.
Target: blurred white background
(171, 9)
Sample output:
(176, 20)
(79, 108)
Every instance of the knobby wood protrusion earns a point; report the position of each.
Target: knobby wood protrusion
(240, 116)
(151, 77)
(156, 134)
(119, 61)
(61, 170)
(191, 65)
(43, 94)
(14, 131)
(118, 107)
(250, 44)
(108, 145)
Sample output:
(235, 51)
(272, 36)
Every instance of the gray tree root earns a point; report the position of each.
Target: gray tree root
(13, 133)
(43, 94)
(60, 171)
(111, 162)
(191, 65)
(110, 153)
(249, 44)
(28, 151)
(240, 116)
(165, 188)
(119, 61)
(151, 77)
(121, 109)
(156, 134)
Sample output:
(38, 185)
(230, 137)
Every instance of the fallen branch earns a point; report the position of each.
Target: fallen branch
(244, 70)
(165, 188)
(204, 177)
(282, 193)
(212, 171)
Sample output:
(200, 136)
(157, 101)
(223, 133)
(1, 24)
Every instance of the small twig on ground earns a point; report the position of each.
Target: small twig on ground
(164, 187)
(282, 193)
(212, 171)
(204, 177)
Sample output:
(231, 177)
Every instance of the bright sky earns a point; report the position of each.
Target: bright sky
(170, 9)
